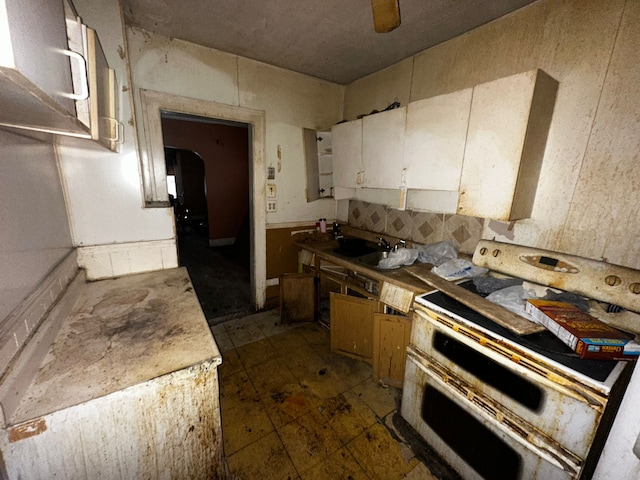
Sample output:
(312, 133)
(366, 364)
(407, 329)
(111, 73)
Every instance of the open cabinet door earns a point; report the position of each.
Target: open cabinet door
(297, 297)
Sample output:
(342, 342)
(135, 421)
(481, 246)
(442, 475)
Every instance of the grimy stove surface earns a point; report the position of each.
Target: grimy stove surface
(543, 343)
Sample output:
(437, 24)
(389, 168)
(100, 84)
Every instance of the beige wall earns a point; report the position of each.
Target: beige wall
(291, 102)
(588, 194)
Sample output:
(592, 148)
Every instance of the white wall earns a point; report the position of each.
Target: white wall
(290, 100)
(34, 231)
(588, 195)
(103, 188)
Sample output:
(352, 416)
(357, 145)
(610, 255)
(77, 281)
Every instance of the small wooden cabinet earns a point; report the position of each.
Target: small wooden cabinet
(352, 326)
(390, 340)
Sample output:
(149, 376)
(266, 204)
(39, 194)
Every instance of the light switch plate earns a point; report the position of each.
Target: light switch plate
(271, 190)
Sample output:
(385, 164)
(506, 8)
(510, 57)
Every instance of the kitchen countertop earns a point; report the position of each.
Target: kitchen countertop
(399, 277)
(121, 332)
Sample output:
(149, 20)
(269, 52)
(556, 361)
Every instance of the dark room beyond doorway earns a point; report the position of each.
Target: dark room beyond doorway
(208, 180)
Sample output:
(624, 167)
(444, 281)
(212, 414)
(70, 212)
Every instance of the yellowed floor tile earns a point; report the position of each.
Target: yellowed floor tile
(323, 383)
(243, 331)
(230, 364)
(420, 472)
(352, 372)
(308, 440)
(340, 465)
(303, 360)
(223, 341)
(238, 387)
(269, 375)
(243, 422)
(313, 333)
(288, 402)
(381, 399)
(264, 459)
(348, 415)
(256, 353)
(380, 455)
(287, 341)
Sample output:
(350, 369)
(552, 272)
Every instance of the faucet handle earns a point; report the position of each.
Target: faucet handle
(399, 244)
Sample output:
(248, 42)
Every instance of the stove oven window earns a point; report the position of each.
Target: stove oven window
(483, 368)
(472, 441)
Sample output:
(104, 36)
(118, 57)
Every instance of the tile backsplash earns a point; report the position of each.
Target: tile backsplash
(418, 227)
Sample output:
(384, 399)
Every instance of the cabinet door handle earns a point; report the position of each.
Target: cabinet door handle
(84, 83)
(119, 137)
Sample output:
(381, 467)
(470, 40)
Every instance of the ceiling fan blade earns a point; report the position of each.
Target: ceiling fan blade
(386, 15)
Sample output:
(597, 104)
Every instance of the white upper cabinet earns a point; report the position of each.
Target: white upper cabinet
(347, 158)
(434, 141)
(53, 74)
(382, 149)
(319, 163)
(508, 127)
(36, 88)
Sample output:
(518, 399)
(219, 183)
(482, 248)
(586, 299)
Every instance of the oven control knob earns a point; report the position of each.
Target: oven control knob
(496, 252)
(635, 288)
(613, 280)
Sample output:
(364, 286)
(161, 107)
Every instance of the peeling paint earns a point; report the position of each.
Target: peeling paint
(26, 430)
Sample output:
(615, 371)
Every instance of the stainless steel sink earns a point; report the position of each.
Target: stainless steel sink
(372, 260)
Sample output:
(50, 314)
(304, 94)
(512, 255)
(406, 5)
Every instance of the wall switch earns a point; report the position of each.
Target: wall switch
(271, 190)
(271, 206)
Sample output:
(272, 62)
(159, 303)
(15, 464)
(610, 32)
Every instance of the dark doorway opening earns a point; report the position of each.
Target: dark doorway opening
(208, 180)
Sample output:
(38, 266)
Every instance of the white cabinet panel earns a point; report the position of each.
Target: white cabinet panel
(434, 141)
(347, 157)
(383, 146)
(507, 135)
(36, 89)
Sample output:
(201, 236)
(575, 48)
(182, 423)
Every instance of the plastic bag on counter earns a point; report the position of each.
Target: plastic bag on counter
(458, 268)
(490, 284)
(512, 298)
(402, 256)
(437, 253)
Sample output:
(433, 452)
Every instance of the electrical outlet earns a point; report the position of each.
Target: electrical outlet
(271, 206)
(271, 190)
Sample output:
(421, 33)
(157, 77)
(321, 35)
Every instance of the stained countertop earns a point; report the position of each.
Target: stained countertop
(121, 332)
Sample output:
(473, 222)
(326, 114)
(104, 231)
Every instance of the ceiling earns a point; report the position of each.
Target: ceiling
(329, 39)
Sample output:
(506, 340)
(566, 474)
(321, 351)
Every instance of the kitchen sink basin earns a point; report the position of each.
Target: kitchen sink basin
(372, 260)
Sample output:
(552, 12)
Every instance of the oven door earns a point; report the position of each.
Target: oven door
(557, 406)
(472, 434)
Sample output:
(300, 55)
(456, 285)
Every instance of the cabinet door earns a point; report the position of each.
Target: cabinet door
(352, 326)
(382, 150)
(390, 340)
(434, 141)
(508, 128)
(347, 158)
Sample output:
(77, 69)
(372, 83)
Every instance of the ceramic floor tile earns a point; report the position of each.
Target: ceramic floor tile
(352, 372)
(381, 399)
(340, 465)
(263, 459)
(237, 387)
(303, 360)
(308, 440)
(287, 341)
(313, 333)
(288, 402)
(380, 455)
(256, 353)
(348, 415)
(323, 383)
(230, 364)
(244, 333)
(243, 422)
(223, 341)
(420, 472)
(269, 375)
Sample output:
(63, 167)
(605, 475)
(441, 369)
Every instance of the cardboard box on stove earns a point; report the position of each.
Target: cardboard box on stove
(583, 333)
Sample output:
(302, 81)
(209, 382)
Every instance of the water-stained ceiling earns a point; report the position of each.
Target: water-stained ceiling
(328, 39)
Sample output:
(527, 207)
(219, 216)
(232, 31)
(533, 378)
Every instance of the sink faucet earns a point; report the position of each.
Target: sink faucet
(400, 244)
(384, 244)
